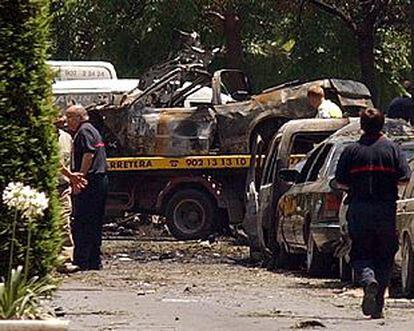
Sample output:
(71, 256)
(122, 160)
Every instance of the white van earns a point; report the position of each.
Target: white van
(82, 70)
(86, 92)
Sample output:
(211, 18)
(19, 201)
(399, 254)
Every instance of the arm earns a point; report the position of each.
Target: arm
(404, 171)
(86, 163)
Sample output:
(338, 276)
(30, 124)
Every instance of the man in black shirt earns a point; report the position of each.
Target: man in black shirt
(89, 158)
(371, 169)
(403, 106)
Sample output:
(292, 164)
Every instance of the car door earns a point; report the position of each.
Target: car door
(271, 187)
(266, 185)
(405, 215)
(251, 192)
(289, 210)
(309, 197)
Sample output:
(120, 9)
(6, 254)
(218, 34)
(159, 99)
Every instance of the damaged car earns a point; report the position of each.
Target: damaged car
(288, 149)
(156, 119)
(307, 215)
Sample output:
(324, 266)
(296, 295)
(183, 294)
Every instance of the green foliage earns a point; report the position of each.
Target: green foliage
(278, 43)
(393, 62)
(28, 147)
(19, 298)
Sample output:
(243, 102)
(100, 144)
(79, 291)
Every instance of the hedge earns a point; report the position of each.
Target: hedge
(28, 143)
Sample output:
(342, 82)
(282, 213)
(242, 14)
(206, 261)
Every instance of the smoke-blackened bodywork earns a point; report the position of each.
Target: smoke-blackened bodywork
(159, 124)
(179, 108)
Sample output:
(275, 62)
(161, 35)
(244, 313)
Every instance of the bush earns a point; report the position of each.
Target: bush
(28, 148)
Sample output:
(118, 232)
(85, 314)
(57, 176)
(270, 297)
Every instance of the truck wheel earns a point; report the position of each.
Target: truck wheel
(315, 260)
(190, 215)
(407, 268)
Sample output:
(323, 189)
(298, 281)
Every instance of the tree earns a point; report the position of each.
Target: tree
(28, 149)
(412, 36)
(363, 19)
(263, 37)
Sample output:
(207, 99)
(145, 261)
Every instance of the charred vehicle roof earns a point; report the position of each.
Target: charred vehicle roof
(396, 129)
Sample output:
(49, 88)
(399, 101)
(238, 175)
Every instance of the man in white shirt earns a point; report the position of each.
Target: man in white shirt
(66, 181)
(325, 108)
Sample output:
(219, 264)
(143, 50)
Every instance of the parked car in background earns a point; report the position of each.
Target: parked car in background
(288, 148)
(307, 215)
(93, 91)
(404, 259)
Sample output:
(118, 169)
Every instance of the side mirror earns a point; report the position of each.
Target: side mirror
(333, 184)
(289, 175)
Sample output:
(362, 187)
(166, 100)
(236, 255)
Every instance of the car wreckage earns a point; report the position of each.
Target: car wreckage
(178, 144)
(152, 119)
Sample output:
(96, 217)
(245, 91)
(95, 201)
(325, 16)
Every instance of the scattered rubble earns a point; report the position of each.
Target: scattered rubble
(309, 324)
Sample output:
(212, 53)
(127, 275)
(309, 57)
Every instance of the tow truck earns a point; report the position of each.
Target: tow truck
(197, 194)
(188, 161)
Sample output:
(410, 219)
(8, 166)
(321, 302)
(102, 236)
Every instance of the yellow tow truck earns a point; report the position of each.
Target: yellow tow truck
(197, 194)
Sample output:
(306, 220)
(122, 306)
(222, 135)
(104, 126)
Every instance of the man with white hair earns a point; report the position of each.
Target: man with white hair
(325, 108)
(88, 158)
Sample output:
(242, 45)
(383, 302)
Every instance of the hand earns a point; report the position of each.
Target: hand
(78, 181)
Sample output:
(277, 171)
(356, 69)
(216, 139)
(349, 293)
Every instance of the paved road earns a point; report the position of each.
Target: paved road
(188, 286)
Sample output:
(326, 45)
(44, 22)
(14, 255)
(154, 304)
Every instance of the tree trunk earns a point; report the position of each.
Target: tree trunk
(365, 37)
(232, 33)
(412, 37)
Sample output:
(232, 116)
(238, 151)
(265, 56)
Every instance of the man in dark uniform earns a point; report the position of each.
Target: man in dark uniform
(89, 158)
(371, 169)
(403, 106)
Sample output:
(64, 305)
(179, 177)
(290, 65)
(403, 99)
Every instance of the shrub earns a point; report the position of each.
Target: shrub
(28, 148)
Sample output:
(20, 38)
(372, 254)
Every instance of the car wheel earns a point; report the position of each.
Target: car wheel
(190, 215)
(315, 260)
(407, 268)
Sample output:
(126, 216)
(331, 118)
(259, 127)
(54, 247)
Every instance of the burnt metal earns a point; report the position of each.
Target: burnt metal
(156, 119)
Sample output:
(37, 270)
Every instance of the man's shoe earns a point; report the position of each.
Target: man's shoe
(377, 315)
(369, 302)
(69, 268)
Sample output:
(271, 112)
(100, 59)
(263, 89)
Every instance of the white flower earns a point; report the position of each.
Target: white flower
(26, 200)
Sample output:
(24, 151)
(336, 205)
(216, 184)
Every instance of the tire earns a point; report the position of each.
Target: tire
(315, 260)
(407, 269)
(190, 214)
(282, 258)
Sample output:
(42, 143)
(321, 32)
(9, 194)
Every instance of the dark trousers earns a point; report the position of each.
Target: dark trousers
(88, 214)
(374, 238)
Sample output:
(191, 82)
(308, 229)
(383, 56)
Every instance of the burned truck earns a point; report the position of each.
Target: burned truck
(179, 143)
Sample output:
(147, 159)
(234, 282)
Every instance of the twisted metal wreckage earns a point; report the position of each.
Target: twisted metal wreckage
(161, 117)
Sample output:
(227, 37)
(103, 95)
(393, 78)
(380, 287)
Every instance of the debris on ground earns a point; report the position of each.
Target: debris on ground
(136, 225)
(212, 288)
(309, 324)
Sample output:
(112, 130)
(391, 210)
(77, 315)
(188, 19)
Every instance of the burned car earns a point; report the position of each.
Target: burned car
(288, 149)
(156, 120)
(404, 259)
(307, 216)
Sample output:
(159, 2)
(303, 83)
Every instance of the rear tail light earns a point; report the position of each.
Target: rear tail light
(331, 205)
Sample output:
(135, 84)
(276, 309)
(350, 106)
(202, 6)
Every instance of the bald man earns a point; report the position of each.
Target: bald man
(88, 158)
